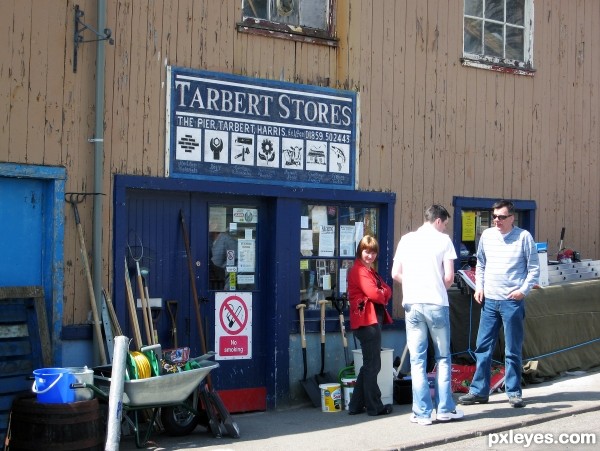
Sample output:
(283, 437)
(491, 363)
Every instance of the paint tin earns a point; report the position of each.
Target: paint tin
(331, 397)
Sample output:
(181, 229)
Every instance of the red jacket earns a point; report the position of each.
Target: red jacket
(365, 284)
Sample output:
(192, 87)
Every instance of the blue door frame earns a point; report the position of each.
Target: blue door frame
(282, 263)
(52, 182)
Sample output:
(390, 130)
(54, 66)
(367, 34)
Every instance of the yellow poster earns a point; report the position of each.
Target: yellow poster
(468, 226)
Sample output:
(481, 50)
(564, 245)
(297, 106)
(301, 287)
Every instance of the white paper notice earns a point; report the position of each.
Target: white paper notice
(246, 255)
(359, 232)
(327, 282)
(304, 222)
(306, 242)
(326, 241)
(347, 248)
(343, 280)
(319, 217)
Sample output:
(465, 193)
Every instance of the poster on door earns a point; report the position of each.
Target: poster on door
(233, 325)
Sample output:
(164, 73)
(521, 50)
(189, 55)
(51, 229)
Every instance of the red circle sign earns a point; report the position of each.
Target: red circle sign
(233, 315)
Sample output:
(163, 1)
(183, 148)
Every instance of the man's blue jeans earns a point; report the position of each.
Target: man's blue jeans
(421, 319)
(511, 315)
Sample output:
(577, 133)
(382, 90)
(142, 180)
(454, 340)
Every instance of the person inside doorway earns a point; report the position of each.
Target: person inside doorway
(223, 242)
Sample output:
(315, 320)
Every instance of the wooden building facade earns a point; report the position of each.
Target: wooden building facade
(432, 125)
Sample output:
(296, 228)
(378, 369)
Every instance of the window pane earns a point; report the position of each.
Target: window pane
(494, 10)
(285, 11)
(474, 8)
(515, 12)
(232, 244)
(514, 43)
(313, 13)
(493, 40)
(256, 8)
(318, 279)
(473, 36)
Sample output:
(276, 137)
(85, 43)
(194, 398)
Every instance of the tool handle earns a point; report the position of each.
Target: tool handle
(343, 331)
(322, 305)
(300, 308)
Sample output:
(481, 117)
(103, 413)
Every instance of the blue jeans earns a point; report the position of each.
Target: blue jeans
(421, 319)
(511, 315)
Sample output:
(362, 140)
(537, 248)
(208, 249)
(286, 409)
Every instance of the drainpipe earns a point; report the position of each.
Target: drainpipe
(98, 164)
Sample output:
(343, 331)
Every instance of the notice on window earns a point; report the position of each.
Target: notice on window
(359, 232)
(326, 241)
(319, 217)
(347, 248)
(343, 280)
(306, 242)
(468, 226)
(246, 255)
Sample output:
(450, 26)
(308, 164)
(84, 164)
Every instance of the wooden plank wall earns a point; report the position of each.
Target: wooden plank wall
(430, 128)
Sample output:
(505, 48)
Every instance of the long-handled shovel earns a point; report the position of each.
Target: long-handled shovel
(216, 410)
(339, 305)
(74, 199)
(172, 308)
(323, 377)
(310, 386)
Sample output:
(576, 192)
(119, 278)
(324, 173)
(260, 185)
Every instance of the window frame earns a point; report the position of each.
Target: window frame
(271, 28)
(525, 67)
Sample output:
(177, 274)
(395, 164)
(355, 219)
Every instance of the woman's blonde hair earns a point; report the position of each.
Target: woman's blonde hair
(369, 243)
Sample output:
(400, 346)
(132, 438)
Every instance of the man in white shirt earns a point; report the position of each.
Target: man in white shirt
(424, 265)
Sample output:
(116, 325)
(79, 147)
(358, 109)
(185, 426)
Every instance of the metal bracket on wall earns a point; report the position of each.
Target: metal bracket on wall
(80, 27)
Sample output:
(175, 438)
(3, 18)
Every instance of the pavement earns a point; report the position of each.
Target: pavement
(308, 428)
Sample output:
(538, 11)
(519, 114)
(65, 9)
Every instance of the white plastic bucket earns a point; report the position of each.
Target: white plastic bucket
(347, 389)
(83, 375)
(385, 378)
(331, 397)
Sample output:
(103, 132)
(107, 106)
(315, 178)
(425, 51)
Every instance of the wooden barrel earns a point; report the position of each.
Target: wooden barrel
(56, 427)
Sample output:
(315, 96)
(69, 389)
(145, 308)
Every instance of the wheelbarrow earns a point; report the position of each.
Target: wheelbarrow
(175, 396)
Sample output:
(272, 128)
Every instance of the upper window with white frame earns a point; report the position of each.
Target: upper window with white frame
(498, 33)
(307, 20)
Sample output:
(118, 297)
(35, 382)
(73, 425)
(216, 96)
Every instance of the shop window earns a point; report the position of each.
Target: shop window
(473, 223)
(498, 34)
(329, 236)
(232, 247)
(294, 19)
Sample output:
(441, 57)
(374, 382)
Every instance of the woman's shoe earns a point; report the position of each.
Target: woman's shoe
(357, 412)
(387, 409)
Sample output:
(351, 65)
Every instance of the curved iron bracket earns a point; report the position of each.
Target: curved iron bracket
(80, 27)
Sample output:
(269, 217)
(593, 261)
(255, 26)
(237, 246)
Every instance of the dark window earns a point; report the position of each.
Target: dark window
(299, 19)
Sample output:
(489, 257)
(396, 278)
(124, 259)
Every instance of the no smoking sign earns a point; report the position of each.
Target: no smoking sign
(233, 325)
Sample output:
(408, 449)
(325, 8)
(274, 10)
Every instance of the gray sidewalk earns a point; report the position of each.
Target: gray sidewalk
(307, 428)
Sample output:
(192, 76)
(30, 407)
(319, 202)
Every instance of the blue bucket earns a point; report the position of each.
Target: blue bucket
(53, 385)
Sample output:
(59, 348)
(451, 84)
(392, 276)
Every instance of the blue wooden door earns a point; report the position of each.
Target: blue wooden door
(155, 240)
(21, 231)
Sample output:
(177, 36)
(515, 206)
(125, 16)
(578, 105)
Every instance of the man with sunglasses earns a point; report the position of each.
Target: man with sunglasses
(507, 269)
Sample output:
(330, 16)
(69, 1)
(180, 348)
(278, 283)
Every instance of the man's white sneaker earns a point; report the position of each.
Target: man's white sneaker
(447, 416)
(420, 420)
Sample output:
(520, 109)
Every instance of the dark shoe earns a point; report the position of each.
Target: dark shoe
(516, 401)
(387, 409)
(357, 412)
(470, 398)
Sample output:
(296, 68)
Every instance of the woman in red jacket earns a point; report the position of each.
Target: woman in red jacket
(368, 295)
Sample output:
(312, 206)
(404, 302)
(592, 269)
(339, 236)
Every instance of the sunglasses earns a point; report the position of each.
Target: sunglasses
(500, 217)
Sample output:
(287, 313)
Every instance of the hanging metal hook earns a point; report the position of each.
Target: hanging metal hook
(80, 27)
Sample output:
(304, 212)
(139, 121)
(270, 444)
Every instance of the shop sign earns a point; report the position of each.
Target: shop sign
(225, 127)
(233, 325)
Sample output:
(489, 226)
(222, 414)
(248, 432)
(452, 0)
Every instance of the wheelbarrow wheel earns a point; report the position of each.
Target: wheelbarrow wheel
(178, 420)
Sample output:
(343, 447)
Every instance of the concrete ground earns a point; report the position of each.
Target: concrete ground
(308, 428)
